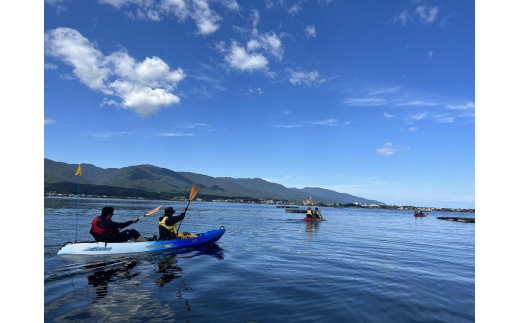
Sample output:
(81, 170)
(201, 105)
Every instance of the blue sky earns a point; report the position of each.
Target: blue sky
(370, 98)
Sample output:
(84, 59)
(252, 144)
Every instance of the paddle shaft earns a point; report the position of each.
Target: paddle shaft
(185, 210)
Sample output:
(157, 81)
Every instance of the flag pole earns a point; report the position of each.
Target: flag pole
(78, 171)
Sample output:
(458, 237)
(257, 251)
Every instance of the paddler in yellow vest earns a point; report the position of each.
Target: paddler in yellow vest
(167, 227)
(309, 213)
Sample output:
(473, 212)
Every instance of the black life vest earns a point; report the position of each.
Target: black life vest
(99, 230)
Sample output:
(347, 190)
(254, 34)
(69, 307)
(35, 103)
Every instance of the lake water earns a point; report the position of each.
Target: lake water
(360, 265)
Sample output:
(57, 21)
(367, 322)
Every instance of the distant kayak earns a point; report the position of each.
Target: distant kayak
(107, 248)
(312, 219)
(420, 216)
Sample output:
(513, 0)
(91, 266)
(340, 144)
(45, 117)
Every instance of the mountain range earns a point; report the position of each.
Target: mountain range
(148, 181)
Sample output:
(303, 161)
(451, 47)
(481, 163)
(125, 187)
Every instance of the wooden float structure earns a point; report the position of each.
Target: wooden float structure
(457, 219)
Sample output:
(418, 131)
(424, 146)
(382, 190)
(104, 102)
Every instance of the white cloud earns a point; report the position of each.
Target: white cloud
(388, 115)
(389, 149)
(430, 53)
(48, 121)
(77, 51)
(310, 31)
(412, 129)
(305, 78)
(468, 105)
(427, 14)
(269, 43)
(239, 58)
(365, 102)
(206, 19)
(144, 87)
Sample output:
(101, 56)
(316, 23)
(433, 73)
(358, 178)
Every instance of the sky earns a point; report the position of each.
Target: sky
(370, 98)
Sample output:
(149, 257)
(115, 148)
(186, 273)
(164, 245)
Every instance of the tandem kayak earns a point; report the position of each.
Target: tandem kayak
(420, 216)
(312, 219)
(107, 248)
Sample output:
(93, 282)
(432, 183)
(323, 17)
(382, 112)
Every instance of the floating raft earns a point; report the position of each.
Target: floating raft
(453, 218)
(291, 210)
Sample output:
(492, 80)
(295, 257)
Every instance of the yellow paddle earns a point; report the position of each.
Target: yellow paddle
(193, 193)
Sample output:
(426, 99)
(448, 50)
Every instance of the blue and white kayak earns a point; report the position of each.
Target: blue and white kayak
(108, 248)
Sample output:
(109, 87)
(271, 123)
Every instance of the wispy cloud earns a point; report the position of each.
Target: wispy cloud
(258, 91)
(175, 134)
(427, 14)
(384, 90)
(430, 53)
(111, 134)
(310, 31)
(468, 105)
(365, 102)
(196, 125)
(416, 117)
(402, 17)
(305, 78)
(206, 18)
(48, 121)
(144, 87)
(388, 115)
(329, 122)
(417, 103)
(389, 149)
(288, 126)
(445, 118)
(294, 9)
(50, 66)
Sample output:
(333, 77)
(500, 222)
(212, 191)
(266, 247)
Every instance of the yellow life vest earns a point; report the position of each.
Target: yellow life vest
(309, 213)
(171, 228)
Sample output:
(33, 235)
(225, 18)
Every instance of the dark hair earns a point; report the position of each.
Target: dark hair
(107, 210)
(169, 210)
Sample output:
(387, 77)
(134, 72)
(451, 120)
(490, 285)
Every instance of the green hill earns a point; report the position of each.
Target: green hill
(148, 181)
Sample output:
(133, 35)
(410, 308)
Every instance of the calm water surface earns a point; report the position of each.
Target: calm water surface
(359, 265)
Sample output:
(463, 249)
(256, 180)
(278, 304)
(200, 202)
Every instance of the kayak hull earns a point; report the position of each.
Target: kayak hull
(312, 220)
(108, 248)
(419, 216)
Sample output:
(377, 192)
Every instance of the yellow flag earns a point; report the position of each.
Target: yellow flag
(78, 171)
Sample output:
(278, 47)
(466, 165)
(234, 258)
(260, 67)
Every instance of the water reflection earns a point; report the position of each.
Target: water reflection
(101, 278)
(108, 272)
(312, 227)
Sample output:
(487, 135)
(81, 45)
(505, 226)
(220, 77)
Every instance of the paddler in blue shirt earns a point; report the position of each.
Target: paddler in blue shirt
(167, 227)
(105, 230)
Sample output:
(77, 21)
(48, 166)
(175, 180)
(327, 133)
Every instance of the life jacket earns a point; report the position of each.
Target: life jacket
(99, 230)
(171, 228)
(309, 213)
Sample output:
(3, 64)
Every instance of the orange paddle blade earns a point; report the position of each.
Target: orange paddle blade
(193, 192)
(153, 211)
